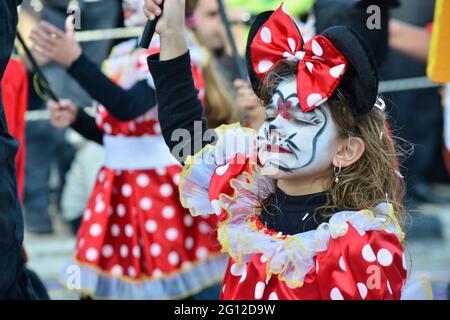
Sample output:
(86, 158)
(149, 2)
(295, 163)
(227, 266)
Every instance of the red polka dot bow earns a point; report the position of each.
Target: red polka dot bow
(320, 64)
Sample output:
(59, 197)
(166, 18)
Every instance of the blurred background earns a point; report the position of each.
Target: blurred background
(57, 167)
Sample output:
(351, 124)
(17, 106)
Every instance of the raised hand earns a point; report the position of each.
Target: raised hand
(52, 44)
(62, 113)
(170, 26)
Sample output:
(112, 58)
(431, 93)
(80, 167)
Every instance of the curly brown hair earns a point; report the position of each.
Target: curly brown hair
(375, 177)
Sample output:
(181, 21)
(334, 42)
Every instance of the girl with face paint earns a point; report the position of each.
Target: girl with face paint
(310, 205)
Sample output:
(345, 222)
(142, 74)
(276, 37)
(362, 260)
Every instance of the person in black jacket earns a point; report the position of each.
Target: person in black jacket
(13, 281)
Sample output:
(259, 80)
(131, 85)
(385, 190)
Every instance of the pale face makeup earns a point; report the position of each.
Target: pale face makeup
(292, 143)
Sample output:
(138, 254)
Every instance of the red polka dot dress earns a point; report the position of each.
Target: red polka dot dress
(357, 255)
(136, 241)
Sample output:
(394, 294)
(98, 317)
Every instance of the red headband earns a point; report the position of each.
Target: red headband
(321, 65)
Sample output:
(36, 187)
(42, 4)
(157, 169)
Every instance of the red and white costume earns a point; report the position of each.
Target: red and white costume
(356, 255)
(136, 241)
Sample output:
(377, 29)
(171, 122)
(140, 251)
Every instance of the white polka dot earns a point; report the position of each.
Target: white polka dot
(161, 171)
(157, 273)
(168, 212)
(117, 270)
(299, 55)
(155, 249)
(189, 243)
(238, 269)
(244, 275)
(310, 66)
(317, 266)
(368, 253)
(215, 204)
(336, 294)
(126, 190)
(404, 262)
(316, 48)
(173, 258)
(107, 128)
(171, 234)
(188, 220)
(95, 230)
(98, 120)
(142, 180)
(123, 251)
(166, 190)
(342, 264)
(273, 296)
(292, 44)
(176, 179)
(361, 232)
(132, 126)
(266, 35)
(389, 286)
(220, 171)
(336, 71)
(107, 251)
(87, 215)
(384, 257)
(121, 211)
(151, 226)
(259, 290)
(115, 230)
(264, 66)
(157, 128)
(101, 176)
(362, 289)
(91, 254)
(129, 230)
(313, 99)
(99, 206)
(263, 258)
(132, 272)
(201, 253)
(223, 288)
(204, 228)
(145, 204)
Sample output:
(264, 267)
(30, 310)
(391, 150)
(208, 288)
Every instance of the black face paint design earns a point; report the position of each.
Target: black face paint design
(289, 137)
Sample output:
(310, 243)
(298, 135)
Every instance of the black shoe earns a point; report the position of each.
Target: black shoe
(423, 193)
(75, 225)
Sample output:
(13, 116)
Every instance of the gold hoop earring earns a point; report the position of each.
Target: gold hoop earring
(336, 174)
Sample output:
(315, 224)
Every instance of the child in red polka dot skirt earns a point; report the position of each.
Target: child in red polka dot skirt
(311, 204)
(136, 241)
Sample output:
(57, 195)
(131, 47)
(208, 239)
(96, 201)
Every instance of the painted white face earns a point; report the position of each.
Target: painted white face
(292, 143)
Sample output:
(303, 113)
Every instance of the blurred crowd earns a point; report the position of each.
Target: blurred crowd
(57, 168)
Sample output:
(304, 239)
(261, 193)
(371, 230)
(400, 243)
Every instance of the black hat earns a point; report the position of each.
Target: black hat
(359, 84)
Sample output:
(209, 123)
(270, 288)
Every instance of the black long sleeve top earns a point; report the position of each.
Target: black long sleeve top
(11, 219)
(123, 104)
(178, 104)
(179, 107)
